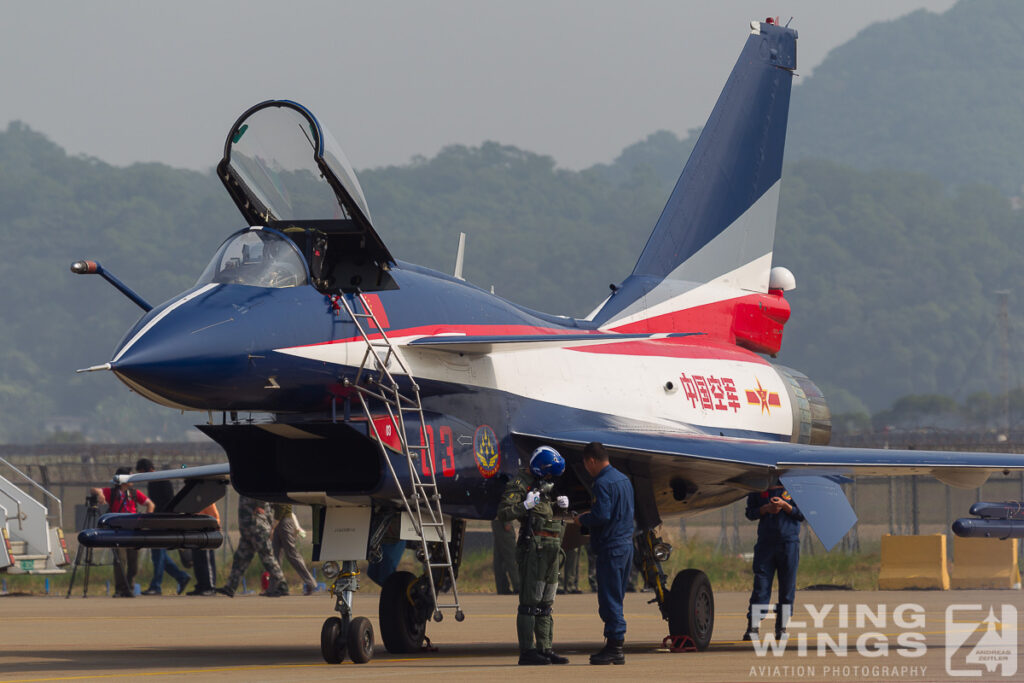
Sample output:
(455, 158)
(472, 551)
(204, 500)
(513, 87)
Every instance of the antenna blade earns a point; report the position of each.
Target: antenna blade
(460, 256)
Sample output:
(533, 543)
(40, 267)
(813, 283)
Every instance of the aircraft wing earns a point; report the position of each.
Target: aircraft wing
(204, 484)
(691, 472)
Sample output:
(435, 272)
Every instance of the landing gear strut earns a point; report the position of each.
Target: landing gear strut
(689, 606)
(346, 634)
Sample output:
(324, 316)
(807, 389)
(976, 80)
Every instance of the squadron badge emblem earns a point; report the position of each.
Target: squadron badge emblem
(486, 451)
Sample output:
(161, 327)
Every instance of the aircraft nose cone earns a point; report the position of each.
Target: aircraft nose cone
(175, 366)
(217, 352)
(184, 354)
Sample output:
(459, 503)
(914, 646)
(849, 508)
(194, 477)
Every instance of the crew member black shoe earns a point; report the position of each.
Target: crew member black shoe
(611, 653)
(532, 658)
(224, 590)
(750, 634)
(553, 658)
(183, 584)
(151, 591)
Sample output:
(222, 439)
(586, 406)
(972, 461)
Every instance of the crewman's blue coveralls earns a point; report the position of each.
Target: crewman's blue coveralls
(610, 521)
(777, 550)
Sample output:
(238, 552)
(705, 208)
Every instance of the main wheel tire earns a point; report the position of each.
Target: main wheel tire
(400, 629)
(360, 640)
(332, 644)
(692, 607)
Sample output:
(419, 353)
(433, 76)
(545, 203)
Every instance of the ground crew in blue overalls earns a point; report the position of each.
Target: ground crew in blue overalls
(610, 522)
(541, 525)
(777, 552)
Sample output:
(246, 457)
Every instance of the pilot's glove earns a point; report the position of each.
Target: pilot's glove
(531, 499)
(563, 502)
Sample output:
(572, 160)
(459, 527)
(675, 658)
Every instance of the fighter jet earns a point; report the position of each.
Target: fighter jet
(401, 399)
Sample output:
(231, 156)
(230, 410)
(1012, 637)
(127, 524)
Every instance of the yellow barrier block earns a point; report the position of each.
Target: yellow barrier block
(913, 562)
(985, 563)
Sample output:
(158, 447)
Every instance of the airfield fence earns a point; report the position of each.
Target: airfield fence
(893, 505)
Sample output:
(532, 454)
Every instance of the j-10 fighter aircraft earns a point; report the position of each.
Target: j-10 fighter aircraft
(402, 399)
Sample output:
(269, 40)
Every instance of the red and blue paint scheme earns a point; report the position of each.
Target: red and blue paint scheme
(669, 372)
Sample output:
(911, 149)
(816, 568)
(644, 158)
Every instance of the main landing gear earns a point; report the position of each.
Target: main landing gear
(689, 606)
(403, 625)
(346, 634)
(406, 601)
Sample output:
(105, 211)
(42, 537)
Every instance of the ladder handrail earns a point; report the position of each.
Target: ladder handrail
(60, 508)
(419, 493)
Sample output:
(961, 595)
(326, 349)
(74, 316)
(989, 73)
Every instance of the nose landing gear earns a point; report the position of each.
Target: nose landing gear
(346, 634)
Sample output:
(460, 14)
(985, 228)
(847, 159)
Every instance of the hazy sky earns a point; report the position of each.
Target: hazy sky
(163, 81)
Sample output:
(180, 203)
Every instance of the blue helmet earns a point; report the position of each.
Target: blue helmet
(546, 461)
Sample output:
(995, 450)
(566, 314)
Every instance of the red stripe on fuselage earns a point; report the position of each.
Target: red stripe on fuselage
(461, 330)
(685, 347)
(679, 347)
(377, 308)
(754, 321)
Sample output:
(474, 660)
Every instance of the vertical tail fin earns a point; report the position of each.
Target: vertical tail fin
(712, 245)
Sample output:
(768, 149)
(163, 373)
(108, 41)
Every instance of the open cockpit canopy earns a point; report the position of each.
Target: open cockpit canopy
(285, 171)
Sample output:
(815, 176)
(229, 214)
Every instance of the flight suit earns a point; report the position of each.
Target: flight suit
(610, 521)
(537, 556)
(777, 552)
(506, 573)
(571, 570)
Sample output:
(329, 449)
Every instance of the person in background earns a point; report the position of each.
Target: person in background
(254, 527)
(506, 575)
(610, 522)
(125, 499)
(286, 528)
(204, 561)
(777, 551)
(161, 493)
(570, 582)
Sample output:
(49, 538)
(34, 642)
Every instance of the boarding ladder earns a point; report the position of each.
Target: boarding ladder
(423, 504)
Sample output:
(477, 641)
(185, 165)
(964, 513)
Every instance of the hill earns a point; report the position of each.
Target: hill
(940, 93)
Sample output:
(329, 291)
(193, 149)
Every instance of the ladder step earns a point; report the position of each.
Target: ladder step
(455, 606)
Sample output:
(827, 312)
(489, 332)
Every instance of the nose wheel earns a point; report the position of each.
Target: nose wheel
(346, 635)
(354, 639)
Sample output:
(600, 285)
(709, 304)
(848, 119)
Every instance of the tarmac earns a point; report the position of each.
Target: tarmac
(908, 635)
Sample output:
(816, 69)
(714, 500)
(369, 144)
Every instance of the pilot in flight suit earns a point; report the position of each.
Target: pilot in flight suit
(537, 552)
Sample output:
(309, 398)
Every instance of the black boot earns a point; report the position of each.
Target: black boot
(553, 658)
(782, 614)
(611, 653)
(752, 628)
(532, 658)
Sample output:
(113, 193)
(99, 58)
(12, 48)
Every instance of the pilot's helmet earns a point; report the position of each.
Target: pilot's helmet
(546, 462)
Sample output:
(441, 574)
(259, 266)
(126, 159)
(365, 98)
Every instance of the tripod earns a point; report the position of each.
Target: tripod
(91, 515)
